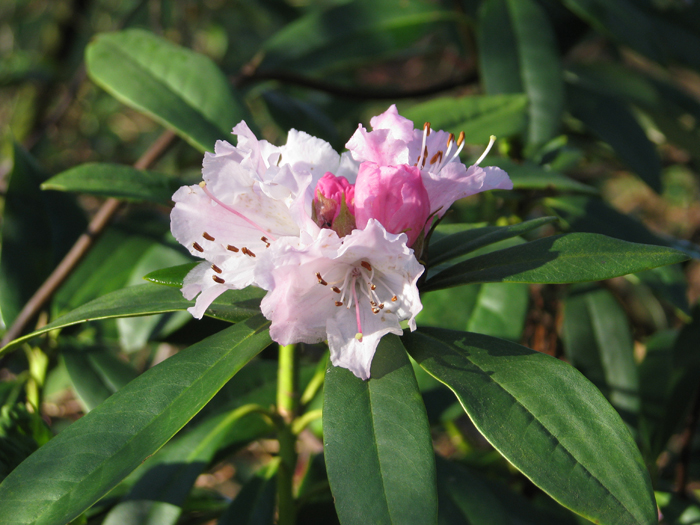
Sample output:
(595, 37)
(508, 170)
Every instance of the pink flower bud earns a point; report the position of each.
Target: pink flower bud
(395, 196)
(334, 204)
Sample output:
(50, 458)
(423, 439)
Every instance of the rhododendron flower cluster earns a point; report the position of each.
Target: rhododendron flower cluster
(329, 236)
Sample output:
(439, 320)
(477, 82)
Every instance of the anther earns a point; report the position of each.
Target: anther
(197, 247)
(394, 299)
(218, 279)
(450, 139)
(247, 252)
(425, 157)
(358, 336)
(320, 279)
(208, 237)
(232, 248)
(381, 306)
(336, 289)
(338, 303)
(264, 239)
(216, 268)
(366, 265)
(436, 158)
(373, 286)
(375, 310)
(426, 128)
(460, 140)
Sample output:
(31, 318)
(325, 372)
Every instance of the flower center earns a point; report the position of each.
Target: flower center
(358, 281)
(440, 158)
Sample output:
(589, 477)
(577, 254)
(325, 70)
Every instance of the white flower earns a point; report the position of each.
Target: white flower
(351, 291)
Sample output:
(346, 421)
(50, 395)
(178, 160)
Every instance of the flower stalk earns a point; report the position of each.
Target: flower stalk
(287, 405)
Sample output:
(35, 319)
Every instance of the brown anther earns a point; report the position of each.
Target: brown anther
(436, 158)
(373, 303)
(461, 138)
(197, 247)
(231, 248)
(247, 252)
(450, 139)
(338, 303)
(373, 286)
(320, 279)
(366, 266)
(208, 237)
(264, 239)
(381, 306)
(216, 268)
(375, 310)
(336, 289)
(218, 279)
(425, 156)
(426, 128)
(394, 299)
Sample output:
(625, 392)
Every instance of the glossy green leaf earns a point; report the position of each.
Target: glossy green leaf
(349, 34)
(178, 88)
(518, 53)
(469, 240)
(546, 419)
(95, 374)
(568, 258)
(91, 456)
(598, 341)
(173, 276)
(116, 180)
(38, 229)
(378, 450)
(148, 299)
(470, 498)
(529, 176)
(479, 116)
(613, 123)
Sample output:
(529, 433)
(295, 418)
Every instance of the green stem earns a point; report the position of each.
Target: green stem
(287, 403)
(301, 422)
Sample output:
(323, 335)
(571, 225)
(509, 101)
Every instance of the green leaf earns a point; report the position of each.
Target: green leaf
(568, 258)
(173, 276)
(478, 116)
(529, 176)
(180, 89)
(467, 241)
(116, 180)
(534, 67)
(613, 123)
(349, 34)
(147, 299)
(38, 229)
(81, 464)
(546, 419)
(378, 450)
(598, 341)
(95, 374)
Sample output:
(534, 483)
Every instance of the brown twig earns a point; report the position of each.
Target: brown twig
(82, 245)
(355, 93)
(686, 446)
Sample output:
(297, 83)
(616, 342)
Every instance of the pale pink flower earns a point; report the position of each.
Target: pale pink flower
(350, 291)
(252, 194)
(394, 142)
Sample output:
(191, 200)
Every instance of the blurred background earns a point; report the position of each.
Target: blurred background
(596, 104)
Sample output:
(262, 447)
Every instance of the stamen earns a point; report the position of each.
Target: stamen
(197, 247)
(336, 289)
(218, 279)
(373, 286)
(375, 310)
(460, 144)
(423, 149)
(357, 311)
(203, 185)
(492, 139)
(394, 299)
(460, 139)
(320, 279)
(425, 157)
(216, 268)
(338, 303)
(436, 158)
(366, 265)
(264, 239)
(232, 248)
(247, 252)
(208, 237)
